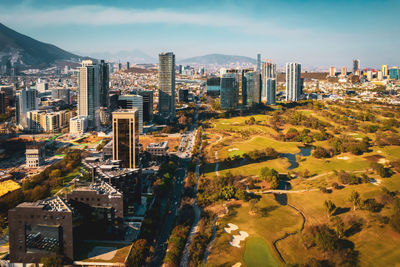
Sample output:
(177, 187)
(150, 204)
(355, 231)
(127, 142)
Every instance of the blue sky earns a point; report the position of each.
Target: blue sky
(315, 33)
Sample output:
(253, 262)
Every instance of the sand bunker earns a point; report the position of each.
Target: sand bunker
(236, 239)
(231, 227)
(375, 182)
(233, 149)
(343, 158)
(379, 151)
(238, 264)
(383, 161)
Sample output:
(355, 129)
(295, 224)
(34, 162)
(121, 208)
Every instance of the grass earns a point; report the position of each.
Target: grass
(266, 225)
(122, 251)
(258, 253)
(8, 186)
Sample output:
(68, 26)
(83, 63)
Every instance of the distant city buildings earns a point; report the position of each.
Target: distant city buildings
(125, 124)
(356, 66)
(166, 87)
(332, 71)
(293, 81)
(229, 91)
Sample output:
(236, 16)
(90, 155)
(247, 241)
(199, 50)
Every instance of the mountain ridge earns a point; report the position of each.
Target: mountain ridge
(218, 59)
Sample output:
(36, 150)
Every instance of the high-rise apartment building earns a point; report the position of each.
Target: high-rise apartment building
(133, 102)
(128, 65)
(385, 70)
(229, 91)
(344, 71)
(166, 85)
(63, 94)
(332, 71)
(244, 86)
(26, 100)
(356, 66)
(394, 73)
(126, 137)
(269, 82)
(253, 87)
(293, 81)
(89, 92)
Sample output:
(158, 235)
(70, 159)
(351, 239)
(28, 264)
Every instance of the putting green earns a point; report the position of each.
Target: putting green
(258, 253)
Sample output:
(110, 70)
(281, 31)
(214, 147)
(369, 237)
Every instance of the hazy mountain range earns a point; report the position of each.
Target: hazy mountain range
(218, 59)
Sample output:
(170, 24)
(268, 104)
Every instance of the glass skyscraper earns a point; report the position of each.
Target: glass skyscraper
(229, 91)
(166, 85)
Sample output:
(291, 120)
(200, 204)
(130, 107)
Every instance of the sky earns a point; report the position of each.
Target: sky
(315, 33)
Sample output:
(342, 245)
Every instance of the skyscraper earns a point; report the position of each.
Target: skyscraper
(126, 137)
(133, 102)
(385, 70)
(356, 66)
(253, 87)
(344, 71)
(147, 103)
(332, 71)
(258, 62)
(166, 85)
(229, 91)
(269, 72)
(128, 65)
(89, 92)
(244, 86)
(394, 73)
(293, 82)
(26, 100)
(104, 83)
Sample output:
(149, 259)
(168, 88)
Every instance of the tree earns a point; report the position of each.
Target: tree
(269, 174)
(139, 252)
(51, 261)
(227, 192)
(55, 174)
(330, 207)
(355, 199)
(338, 226)
(253, 203)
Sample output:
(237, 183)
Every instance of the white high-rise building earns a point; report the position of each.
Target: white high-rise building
(26, 100)
(269, 86)
(89, 93)
(293, 82)
(133, 102)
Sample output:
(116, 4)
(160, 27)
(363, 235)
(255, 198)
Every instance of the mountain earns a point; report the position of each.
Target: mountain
(28, 52)
(134, 56)
(218, 59)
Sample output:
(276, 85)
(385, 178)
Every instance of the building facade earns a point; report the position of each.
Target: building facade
(133, 102)
(253, 87)
(229, 91)
(293, 81)
(78, 125)
(166, 85)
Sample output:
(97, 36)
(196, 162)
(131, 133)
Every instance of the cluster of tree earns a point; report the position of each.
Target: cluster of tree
(320, 152)
(349, 144)
(200, 240)
(352, 179)
(337, 250)
(387, 139)
(369, 204)
(298, 118)
(381, 170)
(177, 239)
(189, 186)
(256, 155)
(220, 188)
(139, 253)
(39, 186)
(165, 178)
(271, 176)
(250, 121)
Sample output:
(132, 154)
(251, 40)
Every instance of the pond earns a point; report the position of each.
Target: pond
(305, 151)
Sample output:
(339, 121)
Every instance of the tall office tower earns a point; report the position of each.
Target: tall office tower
(293, 81)
(104, 83)
(253, 87)
(147, 103)
(89, 92)
(26, 100)
(244, 86)
(3, 102)
(385, 70)
(258, 62)
(229, 91)
(128, 65)
(268, 72)
(356, 65)
(271, 91)
(133, 102)
(344, 71)
(119, 66)
(126, 137)
(332, 71)
(166, 85)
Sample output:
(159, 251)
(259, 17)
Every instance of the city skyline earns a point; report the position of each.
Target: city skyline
(318, 39)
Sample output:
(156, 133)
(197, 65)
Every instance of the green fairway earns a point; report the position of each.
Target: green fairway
(258, 253)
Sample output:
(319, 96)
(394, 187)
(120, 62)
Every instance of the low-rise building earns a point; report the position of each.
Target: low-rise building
(158, 149)
(35, 155)
(78, 125)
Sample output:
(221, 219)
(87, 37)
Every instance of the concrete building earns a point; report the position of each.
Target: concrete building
(40, 229)
(89, 93)
(394, 73)
(147, 103)
(332, 72)
(293, 81)
(63, 94)
(258, 67)
(183, 95)
(271, 91)
(229, 91)
(158, 149)
(42, 86)
(356, 66)
(385, 70)
(126, 137)
(344, 71)
(268, 71)
(132, 102)
(26, 101)
(166, 85)
(78, 125)
(35, 155)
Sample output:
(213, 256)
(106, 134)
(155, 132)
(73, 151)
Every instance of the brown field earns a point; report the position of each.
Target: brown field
(172, 141)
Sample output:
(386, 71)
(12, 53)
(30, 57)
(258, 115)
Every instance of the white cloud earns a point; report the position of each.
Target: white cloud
(96, 15)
